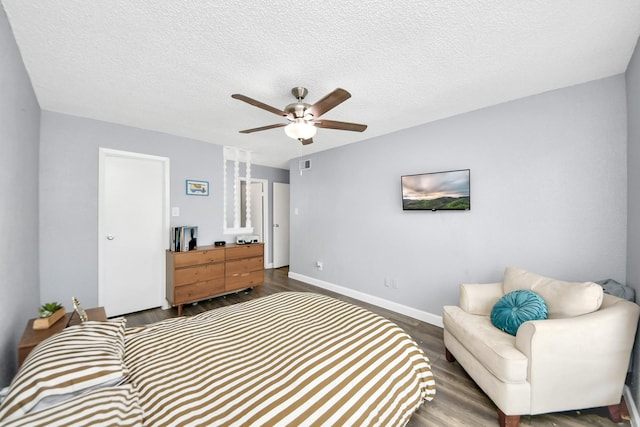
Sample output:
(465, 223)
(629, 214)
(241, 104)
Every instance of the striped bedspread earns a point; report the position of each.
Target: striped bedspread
(295, 359)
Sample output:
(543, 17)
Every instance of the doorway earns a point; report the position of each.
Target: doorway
(133, 230)
(280, 224)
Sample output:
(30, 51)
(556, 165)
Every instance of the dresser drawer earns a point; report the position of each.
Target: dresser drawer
(198, 291)
(184, 276)
(181, 259)
(244, 265)
(244, 280)
(244, 251)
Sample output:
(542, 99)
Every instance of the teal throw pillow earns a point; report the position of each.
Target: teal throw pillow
(517, 307)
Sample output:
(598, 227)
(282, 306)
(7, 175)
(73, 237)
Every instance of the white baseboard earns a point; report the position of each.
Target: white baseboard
(631, 406)
(371, 299)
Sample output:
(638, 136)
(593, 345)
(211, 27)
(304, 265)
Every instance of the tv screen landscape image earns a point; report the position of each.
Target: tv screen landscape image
(450, 190)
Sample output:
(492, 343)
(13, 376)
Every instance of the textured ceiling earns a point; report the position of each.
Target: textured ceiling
(171, 66)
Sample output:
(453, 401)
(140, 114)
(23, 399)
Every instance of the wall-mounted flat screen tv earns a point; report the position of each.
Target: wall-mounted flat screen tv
(437, 191)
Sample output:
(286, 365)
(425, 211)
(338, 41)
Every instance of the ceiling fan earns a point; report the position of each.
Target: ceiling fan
(304, 119)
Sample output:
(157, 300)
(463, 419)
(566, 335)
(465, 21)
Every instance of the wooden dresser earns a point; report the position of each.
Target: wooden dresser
(210, 271)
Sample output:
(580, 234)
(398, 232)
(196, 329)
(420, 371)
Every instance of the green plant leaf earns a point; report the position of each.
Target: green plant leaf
(49, 308)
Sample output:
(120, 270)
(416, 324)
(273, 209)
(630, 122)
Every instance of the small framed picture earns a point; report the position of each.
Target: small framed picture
(78, 308)
(197, 188)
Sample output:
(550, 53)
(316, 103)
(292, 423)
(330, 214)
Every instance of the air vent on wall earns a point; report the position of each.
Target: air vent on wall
(305, 164)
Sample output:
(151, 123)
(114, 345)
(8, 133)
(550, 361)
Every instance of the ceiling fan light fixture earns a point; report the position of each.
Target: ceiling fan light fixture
(300, 130)
(303, 117)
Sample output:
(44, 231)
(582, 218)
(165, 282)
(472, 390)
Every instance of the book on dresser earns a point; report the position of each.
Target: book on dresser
(210, 271)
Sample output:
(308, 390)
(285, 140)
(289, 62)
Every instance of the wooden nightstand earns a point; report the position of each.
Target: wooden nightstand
(32, 337)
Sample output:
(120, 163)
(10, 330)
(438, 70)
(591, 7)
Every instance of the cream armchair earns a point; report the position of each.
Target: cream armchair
(558, 364)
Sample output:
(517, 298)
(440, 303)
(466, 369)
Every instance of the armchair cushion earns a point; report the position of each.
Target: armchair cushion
(563, 299)
(479, 299)
(517, 307)
(494, 349)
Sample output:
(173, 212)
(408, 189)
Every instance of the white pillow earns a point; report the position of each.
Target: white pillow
(563, 299)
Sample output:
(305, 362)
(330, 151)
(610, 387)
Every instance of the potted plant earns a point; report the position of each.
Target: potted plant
(50, 313)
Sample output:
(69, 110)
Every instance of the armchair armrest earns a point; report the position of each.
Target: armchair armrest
(583, 355)
(480, 298)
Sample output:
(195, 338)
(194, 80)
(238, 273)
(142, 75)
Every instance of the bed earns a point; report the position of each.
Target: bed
(292, 358)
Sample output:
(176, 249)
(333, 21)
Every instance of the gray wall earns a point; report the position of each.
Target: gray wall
(19, 132)
(69, 199)
(633, 204)
(548, 194)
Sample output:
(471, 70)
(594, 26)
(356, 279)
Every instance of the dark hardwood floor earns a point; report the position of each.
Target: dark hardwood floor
(458, 402)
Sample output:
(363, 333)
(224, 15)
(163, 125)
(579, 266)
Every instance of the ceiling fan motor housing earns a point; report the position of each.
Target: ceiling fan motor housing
(297, 111)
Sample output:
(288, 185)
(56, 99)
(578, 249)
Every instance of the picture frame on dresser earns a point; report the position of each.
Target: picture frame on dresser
(184, 238)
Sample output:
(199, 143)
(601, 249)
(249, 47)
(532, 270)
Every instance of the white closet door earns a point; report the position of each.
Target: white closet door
(133, 231)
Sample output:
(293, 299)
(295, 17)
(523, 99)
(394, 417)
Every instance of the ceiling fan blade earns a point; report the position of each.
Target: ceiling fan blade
(277, 125)
(332, 124)
(330, 101)
(306, 141)
(259, 104)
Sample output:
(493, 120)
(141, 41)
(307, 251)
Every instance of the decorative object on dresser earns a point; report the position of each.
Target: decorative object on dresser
(184, 238)
(211, 271)
(244, 240)
(32, 337)
(50, 313)
(77, 308)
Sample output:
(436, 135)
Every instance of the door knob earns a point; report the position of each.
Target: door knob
(276, 225)
(110, 237)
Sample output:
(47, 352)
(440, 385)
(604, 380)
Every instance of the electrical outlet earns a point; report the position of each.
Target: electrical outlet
(319, 265)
